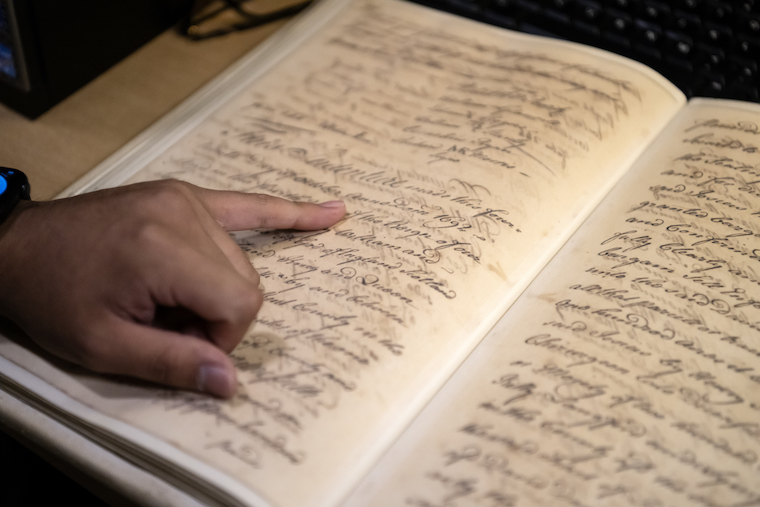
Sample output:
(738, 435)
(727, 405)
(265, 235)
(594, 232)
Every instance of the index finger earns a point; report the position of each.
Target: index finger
(236, 211)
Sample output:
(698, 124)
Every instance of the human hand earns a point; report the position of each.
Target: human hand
(143, 280)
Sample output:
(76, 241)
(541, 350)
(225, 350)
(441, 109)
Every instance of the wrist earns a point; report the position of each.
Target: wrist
(14, 237)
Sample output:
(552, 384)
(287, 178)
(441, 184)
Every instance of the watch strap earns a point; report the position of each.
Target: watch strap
(14, 186)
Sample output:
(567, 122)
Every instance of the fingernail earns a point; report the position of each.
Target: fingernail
(332, 204)
(216, 380)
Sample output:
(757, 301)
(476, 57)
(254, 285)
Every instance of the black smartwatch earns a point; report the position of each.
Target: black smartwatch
(13, 187)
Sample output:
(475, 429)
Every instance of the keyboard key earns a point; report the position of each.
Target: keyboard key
(708, 47)
(679, 70)
(588, 11)
(647, 33)
(678, 45)
(617, 22)
(467, 7)
(712, 54)
(505, 9)
(496, 18)
(710, 58)
(743, 92)
(748, 23)
(557, 14)
(712, 85)
(748, 6)
(529, 6)
(717, 11)
(718, 35)
(745, 68)
(747, 46)
(564, 6)
(687, 5)
(623, 5)
(687, 22)
(558, 17)
(656, 12)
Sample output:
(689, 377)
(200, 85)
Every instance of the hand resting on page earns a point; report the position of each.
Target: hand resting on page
(143, 280)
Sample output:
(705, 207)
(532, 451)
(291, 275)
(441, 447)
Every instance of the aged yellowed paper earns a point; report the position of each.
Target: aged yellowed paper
(628, 373)
(466, 156)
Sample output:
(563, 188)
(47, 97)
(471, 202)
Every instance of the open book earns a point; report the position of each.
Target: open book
(546, 290)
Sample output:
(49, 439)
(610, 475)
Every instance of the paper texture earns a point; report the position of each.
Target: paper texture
(627, 374)
(466, 156)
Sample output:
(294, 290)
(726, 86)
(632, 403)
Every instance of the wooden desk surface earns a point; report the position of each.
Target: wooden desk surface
(73, 137)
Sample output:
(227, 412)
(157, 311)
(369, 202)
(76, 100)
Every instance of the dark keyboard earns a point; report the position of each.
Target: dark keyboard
(707, 48)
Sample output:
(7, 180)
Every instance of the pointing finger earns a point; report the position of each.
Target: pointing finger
(239, 211)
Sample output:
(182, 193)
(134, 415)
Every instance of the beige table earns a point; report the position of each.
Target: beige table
(73, 137)
(70, 139)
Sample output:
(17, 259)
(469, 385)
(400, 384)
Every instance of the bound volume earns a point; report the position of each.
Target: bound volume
(546, 290)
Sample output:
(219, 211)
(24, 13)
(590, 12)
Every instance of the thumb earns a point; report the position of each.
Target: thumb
(167, 357)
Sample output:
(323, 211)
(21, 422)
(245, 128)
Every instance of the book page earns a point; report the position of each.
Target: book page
(628, 373)
(465, 154)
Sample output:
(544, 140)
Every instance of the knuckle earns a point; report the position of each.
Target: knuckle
(249, 301)
(255, 278)
(245, 302)
(148, 232)
(170, 196)
(262, 199)
(173, 187)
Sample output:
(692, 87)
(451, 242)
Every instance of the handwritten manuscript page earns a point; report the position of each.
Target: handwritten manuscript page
(465, 156)
(628, 374)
